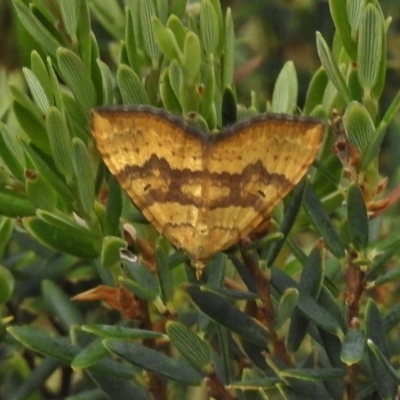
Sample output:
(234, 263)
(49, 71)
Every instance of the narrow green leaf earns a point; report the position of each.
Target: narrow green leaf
(209, 28)
(191, 58)
(110, 251)
(354, 11)
(14, 204)
(164, 273)
(89, 355)
(194, 349)
(385, 363)
(107, 82)
(169, 99)
(322, 222)
(113, 208)
(131, 87)
(39, 192)
(316, 90)
(34, 128)
(341, 21)
(369, 52)
(224, 313)
(306, 304)
(120, 332)
(229, 51)
(147, 11)
(62, 308)
(77, 78)
(154, 361)
(385, 384)
(178, 29)
(83, 175)
(6, 231)
(36, 29)
(284, 97)
(143, 282)
(310, 284)
(332, 68)
(84, 33)
(69, 240)
(60, 141)
(70, 15)
(358, 218)
(166, 40)
(38, 340)
(47, 170)
(37, 91)
(361, 131)
(286, 305)
(7, 284)
(39, 69)
(313, 374)
(11, 152)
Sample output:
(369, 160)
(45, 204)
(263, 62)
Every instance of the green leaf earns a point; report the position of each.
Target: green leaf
(332, 69)
(310, 284)
(154, 361)
(60, 142)
(354, 11)
(34, 128)
(11, 152)
(353, 347)
(284, 97)
(191, 61)
(36, 29)
(306, 304)
(384, 382)
(38, 340)
(113, 208)
(164, 273)
(361, 132)
(77, 78)
(37, 91)
(225, 314)
(147, 11)
(39, 192)
(62, 308)
(178, 29)
(286, 305)
(342, 25)
(14, 204)
(313, 374)
(131, 87)
(107, 82)
(369, 52)
(89, 356)
(120, 332)
(143, 283)
(83, 175)
(316, 90)
(229, 51)
(322, 222)
(63, 237)
(209, 27)
(194, 349)
(70, 15)
(110, 251)
(166, 40)
(358, 218)
(7, 284)
(47, 170)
